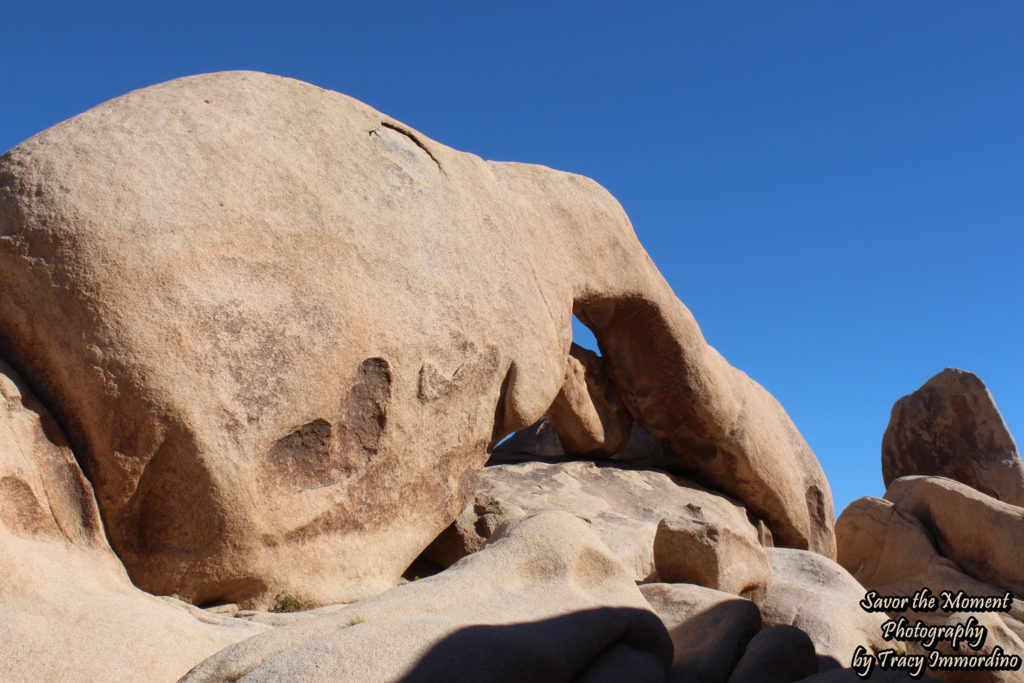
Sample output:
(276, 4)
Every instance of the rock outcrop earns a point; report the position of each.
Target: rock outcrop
(545, 601)
(951, 428)
(283, 329)
(69, 610)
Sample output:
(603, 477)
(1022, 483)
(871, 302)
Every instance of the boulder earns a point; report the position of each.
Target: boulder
(69, 610)
(709, 629)
(820, 598)
(983, 535)
(545, 600)
(587, 414)
(282, 331)
(623, 506)
(879, 543)
(701, 547)
(951, 428)
(777, 654)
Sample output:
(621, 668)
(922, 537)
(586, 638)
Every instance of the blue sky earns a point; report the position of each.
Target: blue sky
(834, 188)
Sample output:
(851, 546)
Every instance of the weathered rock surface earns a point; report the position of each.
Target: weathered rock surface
(623, 506)
(69, 610)
(709, 629)
(777, 654)
(587, 414)
(282, 330)
(545, 600)
(699, 546)
(984, 536)
(820, 598)
(951, 428)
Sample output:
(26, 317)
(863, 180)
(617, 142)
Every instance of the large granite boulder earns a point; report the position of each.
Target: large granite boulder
(951, 428)
(282, 331)
(69, 610)
(544, 601)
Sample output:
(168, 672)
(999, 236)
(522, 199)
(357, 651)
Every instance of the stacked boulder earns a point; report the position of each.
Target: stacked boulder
(951, 519)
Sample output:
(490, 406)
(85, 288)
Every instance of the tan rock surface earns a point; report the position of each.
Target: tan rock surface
(702, 547)
(69, 611)
(545, 600)
(623, 506)
(984, 536)
(951, 428)
(282, 330)
(820, 598)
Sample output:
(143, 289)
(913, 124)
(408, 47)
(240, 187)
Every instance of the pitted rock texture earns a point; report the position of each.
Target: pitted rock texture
(951, 428)
(282, 331)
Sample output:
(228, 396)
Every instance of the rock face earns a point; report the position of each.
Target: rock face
(556, 604)
(951, 428)
(623, 506)
(282, 330)
(69, 611)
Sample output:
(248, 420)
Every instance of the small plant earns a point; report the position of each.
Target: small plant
(286, 602)
(355, 620)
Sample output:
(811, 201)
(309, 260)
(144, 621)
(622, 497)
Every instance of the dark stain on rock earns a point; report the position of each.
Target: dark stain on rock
(309, 457)
(366, 412)
(320, 453)
(20, 510)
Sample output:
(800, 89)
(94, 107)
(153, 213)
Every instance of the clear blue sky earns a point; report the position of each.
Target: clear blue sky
(834, 188)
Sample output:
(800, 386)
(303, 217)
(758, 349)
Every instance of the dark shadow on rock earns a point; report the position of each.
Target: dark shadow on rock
(604, 644)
